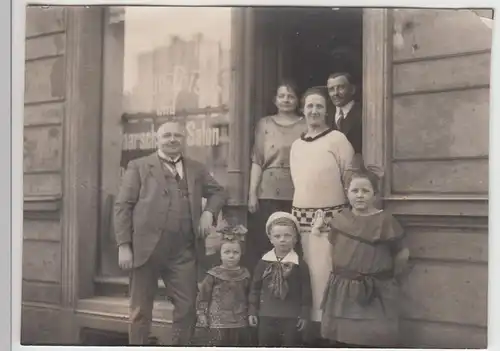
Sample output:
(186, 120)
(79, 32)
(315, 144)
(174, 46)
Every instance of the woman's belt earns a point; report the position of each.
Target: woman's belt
(366, 291)
(305, 216)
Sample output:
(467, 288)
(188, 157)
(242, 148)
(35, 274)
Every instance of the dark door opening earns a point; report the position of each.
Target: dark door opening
(321, 41)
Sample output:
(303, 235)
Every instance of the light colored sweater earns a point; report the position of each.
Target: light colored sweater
(317, 166)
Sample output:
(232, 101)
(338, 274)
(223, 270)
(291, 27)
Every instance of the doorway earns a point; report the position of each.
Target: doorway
(311, 43)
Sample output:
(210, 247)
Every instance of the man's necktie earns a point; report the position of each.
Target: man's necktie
(340, 120)
(173, 167)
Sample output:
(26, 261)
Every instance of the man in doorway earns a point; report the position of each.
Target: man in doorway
(347, 115)
(160, 231)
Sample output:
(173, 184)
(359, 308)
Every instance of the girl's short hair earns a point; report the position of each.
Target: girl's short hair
(359, 170)
(225, 240)
(317, 90)
(233, 235)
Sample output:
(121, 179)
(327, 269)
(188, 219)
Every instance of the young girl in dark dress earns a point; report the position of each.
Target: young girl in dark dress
(360, 304)
(280, 296)
(222, 299)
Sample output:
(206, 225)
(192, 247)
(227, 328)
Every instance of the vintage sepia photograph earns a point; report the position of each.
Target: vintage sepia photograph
(256, 176)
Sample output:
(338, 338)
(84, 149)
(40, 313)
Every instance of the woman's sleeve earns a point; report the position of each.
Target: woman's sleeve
(258, 146)
(292, 160)
(345, 154)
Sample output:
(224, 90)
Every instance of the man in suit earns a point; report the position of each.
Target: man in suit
(347, 115)
(160, 231)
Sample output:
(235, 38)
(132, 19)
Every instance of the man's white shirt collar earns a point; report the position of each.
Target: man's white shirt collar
(291, 257)
(345, 109)
(178, 166)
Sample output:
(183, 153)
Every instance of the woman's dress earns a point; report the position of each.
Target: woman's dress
(317, 166)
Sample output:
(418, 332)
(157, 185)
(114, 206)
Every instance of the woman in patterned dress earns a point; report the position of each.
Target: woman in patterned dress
(271, 187)
(318, 160)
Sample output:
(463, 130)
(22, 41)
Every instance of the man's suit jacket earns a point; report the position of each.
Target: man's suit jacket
(143, 200)
(352, 126)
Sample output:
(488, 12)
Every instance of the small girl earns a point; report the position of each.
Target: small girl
(222, 299)
(280, 295)
(360, 303)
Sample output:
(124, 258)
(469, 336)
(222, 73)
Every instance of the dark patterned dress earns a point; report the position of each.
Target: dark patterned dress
(360, 305)
(223, 300)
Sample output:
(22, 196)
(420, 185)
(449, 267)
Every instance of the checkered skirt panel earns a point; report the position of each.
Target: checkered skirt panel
(305, 216)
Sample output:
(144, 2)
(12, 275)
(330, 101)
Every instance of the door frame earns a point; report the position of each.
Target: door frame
(377, 79)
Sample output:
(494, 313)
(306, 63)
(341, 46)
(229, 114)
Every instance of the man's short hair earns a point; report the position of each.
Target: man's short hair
(347, 75)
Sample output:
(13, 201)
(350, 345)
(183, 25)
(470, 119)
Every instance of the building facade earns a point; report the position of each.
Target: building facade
(98, 81)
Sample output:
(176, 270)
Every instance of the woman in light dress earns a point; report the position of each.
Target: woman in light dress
(318, 160)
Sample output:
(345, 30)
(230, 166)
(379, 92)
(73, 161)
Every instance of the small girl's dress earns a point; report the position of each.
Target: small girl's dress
(360, 303)
(223, 300)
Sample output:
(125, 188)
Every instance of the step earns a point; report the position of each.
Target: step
(111, 314)
(118, 307)
(119, 286)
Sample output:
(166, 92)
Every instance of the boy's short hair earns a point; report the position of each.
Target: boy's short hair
(282, 219)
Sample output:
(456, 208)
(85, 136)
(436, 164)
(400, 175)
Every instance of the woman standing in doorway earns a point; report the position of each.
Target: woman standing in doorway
(318, 160)
(271, 187)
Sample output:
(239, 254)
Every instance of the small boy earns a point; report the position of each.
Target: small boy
(280, 293)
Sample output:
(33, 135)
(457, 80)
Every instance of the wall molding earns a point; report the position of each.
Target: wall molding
(49, 203)
(434, 206)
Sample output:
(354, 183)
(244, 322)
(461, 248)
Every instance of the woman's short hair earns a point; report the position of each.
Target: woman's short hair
(317, 90)
(290, 85)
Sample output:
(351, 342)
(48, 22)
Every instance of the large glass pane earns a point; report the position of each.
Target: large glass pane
(162, 62)
(176, 62)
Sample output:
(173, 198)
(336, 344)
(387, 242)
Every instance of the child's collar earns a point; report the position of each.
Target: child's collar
(291, 257)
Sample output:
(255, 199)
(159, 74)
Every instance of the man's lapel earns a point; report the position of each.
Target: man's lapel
(351, 119)
(190, 174)
(157, 170)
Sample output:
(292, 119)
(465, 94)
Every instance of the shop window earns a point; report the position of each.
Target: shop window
(161, 63)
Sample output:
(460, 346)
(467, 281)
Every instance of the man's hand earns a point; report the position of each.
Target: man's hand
(301, 324)
(206, 222)
(252, 320)
(125, 257)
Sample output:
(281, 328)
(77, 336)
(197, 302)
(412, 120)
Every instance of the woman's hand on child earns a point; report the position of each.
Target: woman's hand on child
(318, 222)
(252, 320)
(301, 324)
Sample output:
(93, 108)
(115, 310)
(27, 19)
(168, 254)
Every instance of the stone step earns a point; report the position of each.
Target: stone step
(119, 286)
(111, 314)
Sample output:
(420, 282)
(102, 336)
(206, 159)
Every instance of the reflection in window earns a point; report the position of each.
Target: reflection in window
(176, 62)
(176, 58)
(162, 62)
